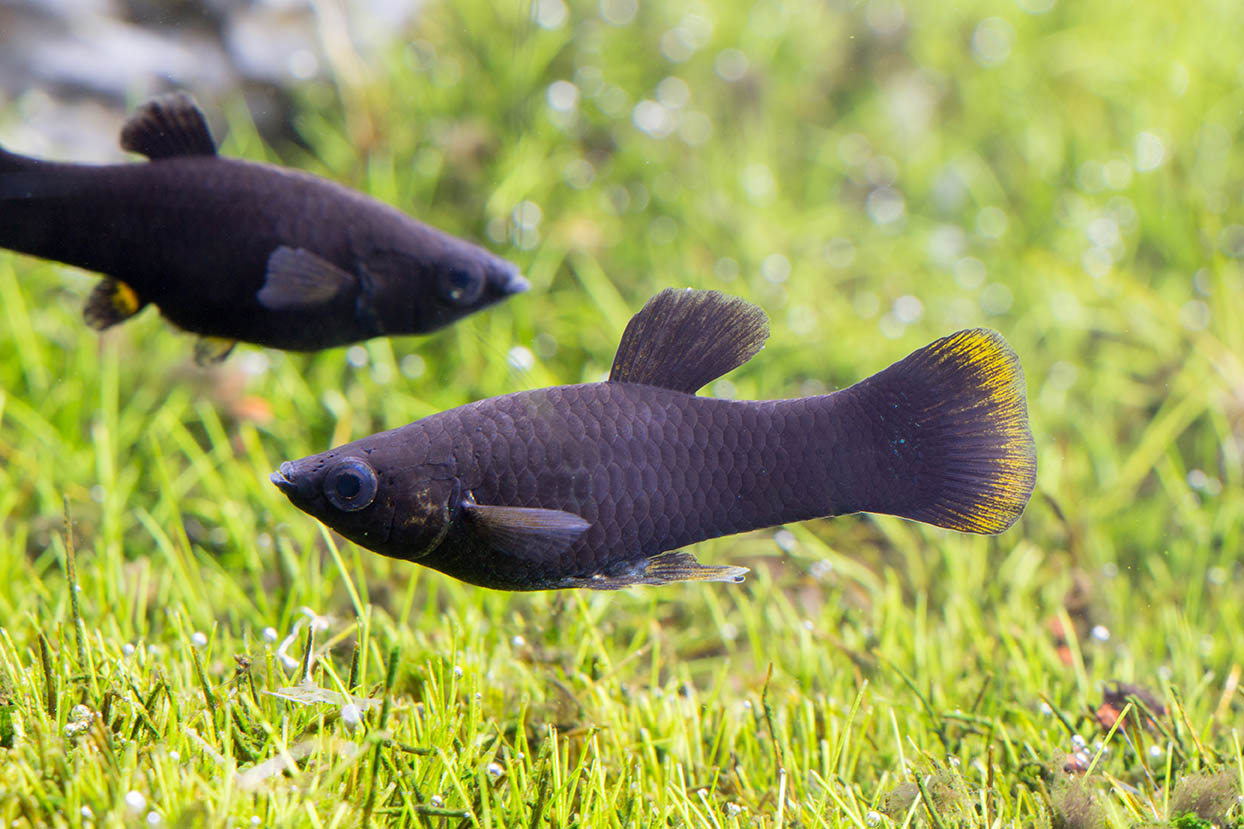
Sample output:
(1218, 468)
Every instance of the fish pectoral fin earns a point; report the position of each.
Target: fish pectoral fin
(210, 350)
(298, 279)
(683, 339)
(111, 302)
(166, 127)
(540, 535)
(662, 569)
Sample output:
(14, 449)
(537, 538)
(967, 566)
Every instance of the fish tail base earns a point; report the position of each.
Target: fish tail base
(955, 448)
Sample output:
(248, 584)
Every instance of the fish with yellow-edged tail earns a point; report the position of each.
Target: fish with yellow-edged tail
(599, 485)
(236, 250)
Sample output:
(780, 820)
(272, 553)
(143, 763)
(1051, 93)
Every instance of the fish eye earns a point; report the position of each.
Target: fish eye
(351, 484)
(461, 285)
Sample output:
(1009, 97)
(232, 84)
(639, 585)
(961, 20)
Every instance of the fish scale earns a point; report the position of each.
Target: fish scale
(598, 485)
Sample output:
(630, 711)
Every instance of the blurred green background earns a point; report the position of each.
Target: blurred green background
(874, 175)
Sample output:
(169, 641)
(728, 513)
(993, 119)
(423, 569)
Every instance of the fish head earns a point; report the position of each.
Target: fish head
(373, 498)
(415, 292)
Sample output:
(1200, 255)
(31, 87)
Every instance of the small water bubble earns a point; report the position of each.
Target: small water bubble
(729, 631)
(1117, 173)
(996, 298)
(1216, 575)
(436, 800)
(733, 809)
(673, 92)
(97, 493)
(1078, 741)
(758, 184)
(518, 642)
(723, 389)
(731, 65)
(269, 635)
(786, 541)
(1195, 315)
(653, 119)
(127, 649)
(1150, 152)
(255, 821)
(676, 46)
(154, 819)
(885, 205)
(821, 569)
(412, 366)
(873, 817)
(351, 716)
(618, 12)
(1157, 752)
(562, 96)
(1103, 232)
(908, 309)
(136, 802)
(520, 357)
(549, 14)
(775, 268)
(1046, 709)
(494, 770)
(808, 626)
(458, 672)
(174, 755)
(991, 222)
(695, 128)
(1165, 673)
(1101, 633)
(356, 356)
(1097, 262)
(991, 41)
(86, 813)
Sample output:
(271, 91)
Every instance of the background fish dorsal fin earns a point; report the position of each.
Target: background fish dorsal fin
(297, 279)
(683, 339)
(538, 535)
(168, 126)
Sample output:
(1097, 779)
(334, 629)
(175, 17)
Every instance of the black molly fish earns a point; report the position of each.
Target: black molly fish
(591, 485)
(236, 250)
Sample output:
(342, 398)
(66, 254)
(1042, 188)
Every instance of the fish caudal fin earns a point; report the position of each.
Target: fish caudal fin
(954, 447)
(662, 569)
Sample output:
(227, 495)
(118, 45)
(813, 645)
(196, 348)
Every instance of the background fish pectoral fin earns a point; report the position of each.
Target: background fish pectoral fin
(111, 302)
(539, 535)
(662, 569)
(166, 127)
(298, 279)
(683, 339)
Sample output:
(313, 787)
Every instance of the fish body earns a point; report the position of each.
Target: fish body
(594, 485)
(237, 250)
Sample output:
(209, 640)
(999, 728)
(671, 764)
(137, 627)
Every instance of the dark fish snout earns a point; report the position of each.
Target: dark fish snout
(283, 478)
(515, 283)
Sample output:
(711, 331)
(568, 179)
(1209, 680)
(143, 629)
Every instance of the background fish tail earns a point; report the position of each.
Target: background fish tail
(950, 440)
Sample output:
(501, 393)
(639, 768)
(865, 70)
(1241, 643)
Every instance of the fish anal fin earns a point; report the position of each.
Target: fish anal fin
(662, 569)
(211, 350)
(111, 302)
(683, 339)
(298, 279)
(533, 534)
(168, 126)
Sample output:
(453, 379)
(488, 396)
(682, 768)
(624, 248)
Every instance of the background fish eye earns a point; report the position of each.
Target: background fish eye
(351, 485)
(462, 286)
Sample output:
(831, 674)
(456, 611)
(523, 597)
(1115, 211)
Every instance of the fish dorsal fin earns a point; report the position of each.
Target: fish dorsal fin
(538, 535)
(683, 339)
(297, 279)
(168, 126)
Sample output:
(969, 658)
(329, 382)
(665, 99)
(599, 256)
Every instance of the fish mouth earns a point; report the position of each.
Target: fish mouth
(283, 480)
(516, 283)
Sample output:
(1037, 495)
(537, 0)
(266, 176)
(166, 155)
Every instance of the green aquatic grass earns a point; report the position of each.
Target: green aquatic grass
(874, 176)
